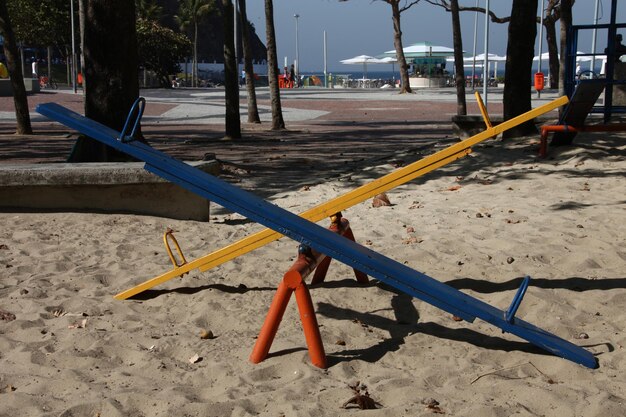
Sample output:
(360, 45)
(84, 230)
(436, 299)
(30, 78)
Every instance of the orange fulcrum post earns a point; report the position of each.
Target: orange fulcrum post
(293, 281)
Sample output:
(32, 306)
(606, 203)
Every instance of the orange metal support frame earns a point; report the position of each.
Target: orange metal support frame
(293, 281)
(545, 130)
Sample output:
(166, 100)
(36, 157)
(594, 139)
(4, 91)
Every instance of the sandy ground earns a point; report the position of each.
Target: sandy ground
(67, 348)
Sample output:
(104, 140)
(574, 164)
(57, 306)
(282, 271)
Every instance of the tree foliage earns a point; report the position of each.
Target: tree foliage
(41, 23)
(148, 10)
(161, 49)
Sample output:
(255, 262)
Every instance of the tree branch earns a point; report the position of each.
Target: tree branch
(446, 5)
(408, 5)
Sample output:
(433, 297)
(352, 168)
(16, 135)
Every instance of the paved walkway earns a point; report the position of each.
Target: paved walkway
(329, 132)
(206, 106)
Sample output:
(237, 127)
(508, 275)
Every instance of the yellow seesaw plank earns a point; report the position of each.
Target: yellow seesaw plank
(347, 200)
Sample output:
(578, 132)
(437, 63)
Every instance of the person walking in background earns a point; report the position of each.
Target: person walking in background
(292, 76)
(620, 49)
(34, 67)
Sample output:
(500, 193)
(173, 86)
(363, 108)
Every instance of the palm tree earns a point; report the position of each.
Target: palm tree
(253, 110)
(272, 67)
(190, 13)
(149, 10)
(231, 74)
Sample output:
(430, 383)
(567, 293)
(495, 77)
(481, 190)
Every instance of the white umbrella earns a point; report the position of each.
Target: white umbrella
(389, 60)
(362, 59)
(544, 57)
(490, 57)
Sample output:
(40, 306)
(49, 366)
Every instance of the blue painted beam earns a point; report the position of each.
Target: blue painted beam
(303, 231)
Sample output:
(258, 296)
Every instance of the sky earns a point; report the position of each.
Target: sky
(364, 27)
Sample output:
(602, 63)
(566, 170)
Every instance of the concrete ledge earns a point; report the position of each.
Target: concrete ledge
(100, 187)
(467, 126)
(6, 90)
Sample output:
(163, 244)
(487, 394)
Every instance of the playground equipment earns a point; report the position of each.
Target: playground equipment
(356, 196)
(613, 79)
(573, 117)
(317, 238)
(293, 281)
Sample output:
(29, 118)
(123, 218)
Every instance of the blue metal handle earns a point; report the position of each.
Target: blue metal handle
(517, 300)
(138, 107)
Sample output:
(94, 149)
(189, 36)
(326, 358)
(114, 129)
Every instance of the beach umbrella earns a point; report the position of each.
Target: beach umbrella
(490, 57)
(544, 57)
(361, 59)
(390, 60)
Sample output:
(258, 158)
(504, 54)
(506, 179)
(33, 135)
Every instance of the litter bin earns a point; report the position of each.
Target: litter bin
(539, 81)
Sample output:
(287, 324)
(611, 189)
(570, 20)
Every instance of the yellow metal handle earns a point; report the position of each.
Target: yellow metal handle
(167, 236)
(483, 110)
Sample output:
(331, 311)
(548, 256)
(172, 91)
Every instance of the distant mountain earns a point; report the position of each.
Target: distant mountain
(211, 34)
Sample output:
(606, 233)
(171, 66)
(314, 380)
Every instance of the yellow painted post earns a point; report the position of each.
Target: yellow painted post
(351, 198)
(483, 109)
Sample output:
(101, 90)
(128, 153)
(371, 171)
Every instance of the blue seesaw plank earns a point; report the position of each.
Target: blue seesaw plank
(363, 259)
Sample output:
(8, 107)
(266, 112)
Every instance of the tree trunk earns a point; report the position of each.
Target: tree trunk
(14, 66)
(272, 67)
(253, 110)
(461, 105)
(194, 65)
(405, 86)
(566, 23)
(67, 66)
(553, 52)
(49, 50)
(111, 80)
(519, 60)
(231, 76)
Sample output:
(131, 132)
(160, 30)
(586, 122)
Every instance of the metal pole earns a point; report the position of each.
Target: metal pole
(73, 48)
(297, 48)
(486, 60)
(235, 8)
(593, 39)
(474, 53)
(540, 42)
(325, 62)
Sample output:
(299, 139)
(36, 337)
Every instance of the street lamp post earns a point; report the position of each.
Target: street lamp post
(486, 60)
(297, 47)
(540, 42)
(474, 56)
(74, 69)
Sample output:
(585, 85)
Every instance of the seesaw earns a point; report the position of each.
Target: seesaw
(347, 200)
(315, 237)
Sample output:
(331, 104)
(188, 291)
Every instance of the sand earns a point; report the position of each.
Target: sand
(480, 225)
